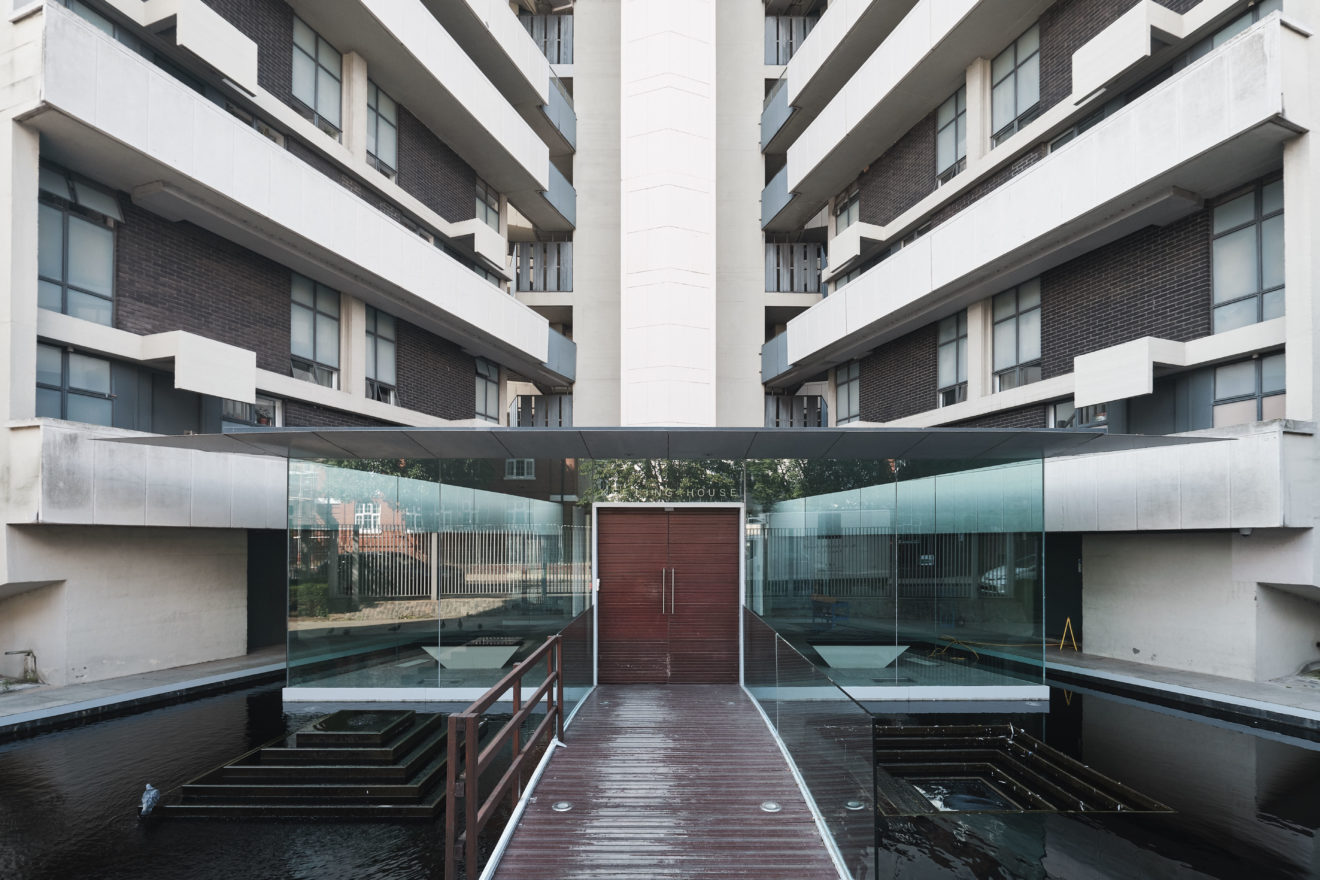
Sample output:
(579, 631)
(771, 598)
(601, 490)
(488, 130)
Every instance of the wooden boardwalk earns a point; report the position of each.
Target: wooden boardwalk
(667, 781)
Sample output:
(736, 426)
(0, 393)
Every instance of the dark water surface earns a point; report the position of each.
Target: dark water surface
(1247, 805)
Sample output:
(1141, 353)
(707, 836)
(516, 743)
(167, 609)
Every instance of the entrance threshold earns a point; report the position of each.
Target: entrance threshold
(878, 694)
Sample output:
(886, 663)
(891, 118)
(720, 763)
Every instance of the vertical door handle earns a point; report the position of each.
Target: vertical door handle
(673, 588)
(662, 591)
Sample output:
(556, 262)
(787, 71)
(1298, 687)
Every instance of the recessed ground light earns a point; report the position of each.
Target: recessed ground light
(854, 805)
(770, 807)
(561, 806)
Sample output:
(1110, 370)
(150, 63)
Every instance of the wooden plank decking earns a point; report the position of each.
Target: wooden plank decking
(667, 781)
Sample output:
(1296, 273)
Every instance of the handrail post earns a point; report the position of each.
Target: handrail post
(472, 865)
(451, 799)
(517, 738)
(559, 688)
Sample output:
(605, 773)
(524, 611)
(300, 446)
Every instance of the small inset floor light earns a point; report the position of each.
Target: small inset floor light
(770, 807)
(561, 806)
(854, 805)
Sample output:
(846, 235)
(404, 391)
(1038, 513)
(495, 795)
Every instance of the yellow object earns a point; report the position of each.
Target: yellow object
(1068, 635)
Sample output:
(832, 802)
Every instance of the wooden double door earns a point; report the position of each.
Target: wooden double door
(669, 595)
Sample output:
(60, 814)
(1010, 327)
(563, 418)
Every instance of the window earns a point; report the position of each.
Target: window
(951, 136)
(1017, 336)
(846, 208)
(553, 33)
(366, 517)
(382, 130)
(1249, 391)
(1015, 89)
(76, 247)
(847, 384)
(316, 77)
(314, 338)
(842, 281)
(73, 386)
(953, 359)
(488, 391)
(793, 267)
(382, 382)
(1065, 415)
(520, 469)
(1247, 258)
(488, 205)
(784, 35)
(259, 125)
(265, 413)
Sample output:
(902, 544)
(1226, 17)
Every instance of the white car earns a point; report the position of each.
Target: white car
(993, 581)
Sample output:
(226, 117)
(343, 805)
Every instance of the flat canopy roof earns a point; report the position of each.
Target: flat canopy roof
(991, 444)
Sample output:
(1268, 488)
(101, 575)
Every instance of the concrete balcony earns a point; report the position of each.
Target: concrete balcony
(421, 65)
(63, 473)
(839, 43)
(1255, 479)
(110, 113)
(1218, 123)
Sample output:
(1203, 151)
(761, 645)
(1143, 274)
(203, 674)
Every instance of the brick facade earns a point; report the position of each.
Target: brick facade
(435, 377)
(433, 173)
(1154, 282)
(903, 176)
(1022, 417)
(990, 183)
(300, 414)
(177, 276)
(899, 378)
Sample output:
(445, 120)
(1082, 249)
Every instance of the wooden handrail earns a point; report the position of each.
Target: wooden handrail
(463, 728)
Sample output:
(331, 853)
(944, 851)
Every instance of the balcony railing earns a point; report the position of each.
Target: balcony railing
(553, 33)
(800, 411)
(793, 268)
(541, 411)
(544, 265)
(775, 111)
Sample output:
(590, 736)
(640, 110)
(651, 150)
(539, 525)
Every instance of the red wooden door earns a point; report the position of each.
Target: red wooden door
(632, 552)
(703, 600)
(668, 601)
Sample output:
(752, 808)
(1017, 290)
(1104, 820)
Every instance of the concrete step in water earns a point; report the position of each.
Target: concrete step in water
(356, 728)
(349, 782)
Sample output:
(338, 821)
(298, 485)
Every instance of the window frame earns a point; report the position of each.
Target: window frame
(387, 165)
(1259, 394)
(65, 389)
(315, 110)
(487, 204)
(949, 393)
(487, 374)
(84, 202)
(366, 518)
(1092, 417)
(1258, 221)
(1021, 115)
(230, 417)
(317, 369)
(958, 121)
(847, 393)
(520, 469)
(376, 389)
(1023, 372)
(847, 207)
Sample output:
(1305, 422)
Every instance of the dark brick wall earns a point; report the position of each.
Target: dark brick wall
(300, 414)
(1022, 417)
(903, 176)
(1154, 282)
(435, 377)
(177, 276)
(269, 24)
(433, 173)
(899, 378)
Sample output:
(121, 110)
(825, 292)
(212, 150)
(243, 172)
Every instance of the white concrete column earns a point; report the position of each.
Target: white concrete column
(978, 109)
(1301, 212)
(596, 267)
(740, 266)
(980, 349)
(19, 156)
(352, 345)
(353, 113)
(668, 212)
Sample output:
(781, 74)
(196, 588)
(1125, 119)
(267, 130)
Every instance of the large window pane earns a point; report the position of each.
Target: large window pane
(327, 341)
(304, 78)
(92, 410)
(1005, 345)
(50, 368)
(89, 373)
(89, 307)
(48, 404)
(1235, 265)
(1002, 104)
(1272, 305)
(948, 368)
(1273, 407)
(1271, 197)
(1271, 257)
(1235, 213)
(303, 291)
(300, 339)
(1238, 314)
(1235, 380)
(1028, 84)
(1272, 374)
(327, 97)
(50, 296)
(91, 256)
(1029, 336)
(1238, 413)
(50, 247)
(385, 361)
(304, 37)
